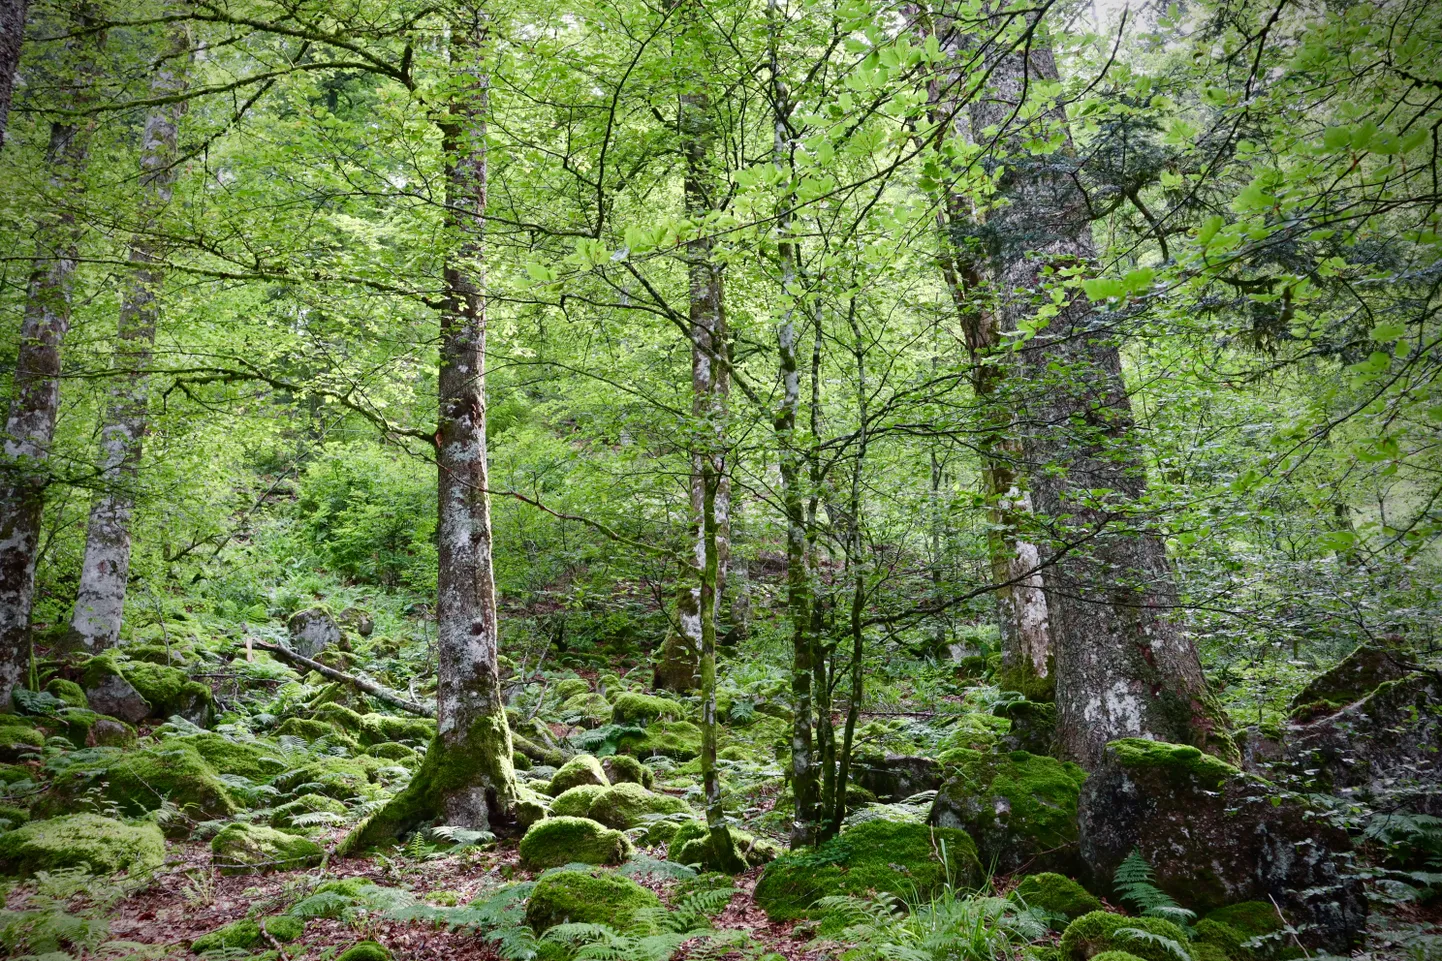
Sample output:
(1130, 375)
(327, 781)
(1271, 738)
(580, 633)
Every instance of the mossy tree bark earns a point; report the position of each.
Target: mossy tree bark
(100, 598)
(35, 387)
(1123, 667)
(466, 779)
(723, 852)
(12, 37)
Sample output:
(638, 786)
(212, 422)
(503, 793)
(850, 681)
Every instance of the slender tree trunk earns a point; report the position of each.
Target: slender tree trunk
(35, 388)
(821, 651)
(466, 779)
(100, 600)
(1123, 667)
(12, 38)
(723, 852)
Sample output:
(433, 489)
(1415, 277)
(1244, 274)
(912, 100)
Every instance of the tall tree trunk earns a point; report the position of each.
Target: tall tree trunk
(1123, 667)
(12, 38)
(723, 851)
(467, 778)
(35, 388)
(1015, 562)
(100, 599)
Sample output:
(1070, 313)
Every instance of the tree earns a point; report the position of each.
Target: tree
(12, 38)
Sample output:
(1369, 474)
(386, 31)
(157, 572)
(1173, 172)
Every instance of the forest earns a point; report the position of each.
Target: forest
(727, 480)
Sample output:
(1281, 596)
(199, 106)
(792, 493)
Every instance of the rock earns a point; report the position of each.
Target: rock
(104, 845)
(692, 844)
(896, 857)
(570, 687)
(576, 802)
(629, 805)
(140, 781)
(581, 769)
(365, 951)
(589, 897)
(67, 692)
(1099, 932)
(554, 842)
(391, 751)
(1260, 749)
(1019, 808)
(678, 665)
(1386, 743)
(113, 695)
(587, 710)
(166, 691)
(18, 737)
(895, 777)
(358, 620)
(110, 732)
(680, 740)
(1033, 726)
(1215, 836)
(1357, 675)
(313, 630)
(622, 768)
(242, 848)
(643, 709)
(1056, 894)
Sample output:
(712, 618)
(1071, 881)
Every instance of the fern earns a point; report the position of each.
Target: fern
(605, 739)
(461, 837)
(1136, 884)
(642, 865)
(694, 911)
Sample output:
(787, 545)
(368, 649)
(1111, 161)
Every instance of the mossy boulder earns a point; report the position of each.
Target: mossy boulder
(167, 690)
(631, 708)
(13, 816)
(108, 731)
(1032, 726)
(105, 845)
(246, 934)
(253, 760)
(1252, 918)
(1098, 932)
(581, 769)
(365, 951)
(67, 692)
(310, 729)
(1112, 956)
(623, 768)
(570, 687)
(556, 841)
(896, 777)
(576, 803)
(875, 856)
(242, 848)
(629, 805)
(1057, 895)
(1355, 676)
(313, 630)
(590, 897)
(1215, 836)
(1229, 942)
(343, 717)
(141, 781)
(383, 728)
(284, 815)
(678, 740)
(18, 737)
(341, 778)
(399, 753)
(693, 844)
(1020, 808)
(588, 710)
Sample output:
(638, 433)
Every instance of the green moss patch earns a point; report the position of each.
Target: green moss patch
(576, 803)
(1056, 894)
(246, 934)
(251, 849)
(554, 842)
(284, 815)
(581, 769)
(1180, 758)
(630, 805)
(1252, 918)
(365, 951)
(632, 708)
(590, 897)
(1098, 932)
(621, 768)
(104, 845)
(680, 740)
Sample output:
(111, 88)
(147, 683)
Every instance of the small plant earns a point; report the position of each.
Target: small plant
(1136, 885)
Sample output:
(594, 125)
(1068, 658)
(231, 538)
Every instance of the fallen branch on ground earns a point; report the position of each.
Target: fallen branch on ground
(360, 684)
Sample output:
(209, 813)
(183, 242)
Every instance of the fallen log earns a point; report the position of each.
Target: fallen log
(359, 683)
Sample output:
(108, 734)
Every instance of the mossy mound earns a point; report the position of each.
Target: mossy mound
(576, 802)
(1032, 726)
(68, 692)
(629, 805)
(246, 934)
(1179, 759)
(679, 740)
(590, 897)
(341, 778)
(1355, 676)
(344, 718)
(587, 710)
(1252, 918)
(13, 816)
(365, 951)
(18, 737)
(623, 768)
(1056, 894)
(1098, 932)
(250, 849)
(692, 844)
(1020, 808)
(141, 781)
(105, 845)
(253, 760)
(570, 687)
(632, 708)
(284, 815)
(556, 841)
(1227, 940)
(385, 728)
(168, 690)
(309, 729)
(881, 856)
(581, 769)
(391, 751)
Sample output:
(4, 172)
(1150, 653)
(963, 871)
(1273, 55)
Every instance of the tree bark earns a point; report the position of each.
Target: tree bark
(1123, 667)
(100, 599)
(12, 38)
(723, 852)
(35, 388)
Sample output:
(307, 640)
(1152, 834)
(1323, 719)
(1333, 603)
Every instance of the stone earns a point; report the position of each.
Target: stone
(590, 897)
(365, 951)
(630, 805)
(621, 768)
(1215, 836)
(313, 630)
(678, 665)
(896, 777)
(633, 708)
(586, 710)
(558, 841)
(1033, 726)
(101, 844)
(576, 802)
(242, 848)
(113, 683)
(117, 697)
(18, 737)
(110, 732)
(1019, 808)
(1354, 677)
(679, 740)
(358, 620)
(569, 687)
(581, 769)
(1056, 894)
(1099, 932)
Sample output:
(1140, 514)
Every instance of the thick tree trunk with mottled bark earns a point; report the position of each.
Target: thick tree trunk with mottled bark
(100, 599)
(1123, 667)
(35, 388)
(12, 38)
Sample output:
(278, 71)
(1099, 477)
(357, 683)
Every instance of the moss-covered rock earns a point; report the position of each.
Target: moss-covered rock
(284, 815)
(631, 708)
(874, 856)
(556, 841)
(365, 951)
(576, 803)
(1252, 918)
(679, 740)
(570, 687)
(1112, 956)
(623, 768)
(1099, 931)
(168, 690)
(254, 760)
(1355, 676)
(313, 630)
(1020, 808)
(141, 781)
(68, 692)
(246, 934)
(108, 731)
(242, 848)
(341, 778)
(105, 845)
(399, 753)
(693, 844)
(1215, 836)
(1056, 894)
(383, 728)
(338, 714)
(629, 805)
(590, 897)
(896, 777)
(12, 816)
(18, 737)
(588, 710)
(581, 769)
(310, 729)
(1229, 941)
(1032, 726)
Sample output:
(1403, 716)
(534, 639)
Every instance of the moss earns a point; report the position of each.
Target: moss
(109, 731)
(250, 849)
(631, 708)
(365, 951)
(680, 740)
(693, 844)
(141, 781)
(253, 760)
(72, 694)
(13, 816)
(565, 840)
(308, 729)
(1114, 956)
(1225, 938)
(15, 773)
(590, 897)
(593, 710)
(284, 815)
(285, 928)
(623, 768)
(581, 769)
(520, 762)
(1252, 918)
(168, 690)
(1181, 758)
(245, 934)
(530, 807)
(107, 846)
(1022, 676)
(336, 777)
(629, 805)
(1099, 931)
(1056, 894)
(392, 751)
(570, 687)
(883, 856)
(538, 753)
(576, 802)
(383, 728)
(18, 736)
(339, 715)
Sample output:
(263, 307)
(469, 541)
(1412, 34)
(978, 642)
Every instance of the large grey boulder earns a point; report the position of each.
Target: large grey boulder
(1355, 676)
(112, 694)
(895, 777)
(312, 631)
